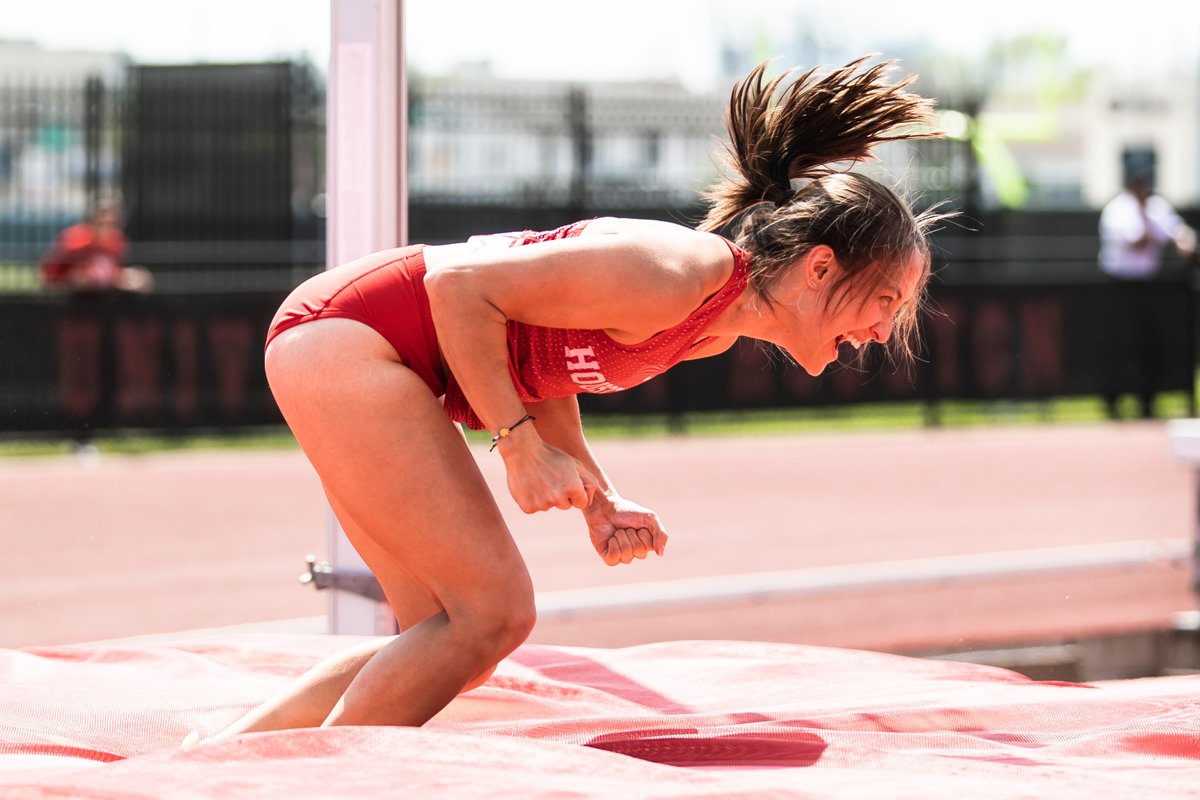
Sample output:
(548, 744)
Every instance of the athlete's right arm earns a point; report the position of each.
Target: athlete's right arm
(638, 284)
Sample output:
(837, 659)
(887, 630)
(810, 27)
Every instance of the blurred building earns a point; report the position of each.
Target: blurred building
(580, 147)
(626, 145)
(486, 140)
(1155, 123)
(1045, 141)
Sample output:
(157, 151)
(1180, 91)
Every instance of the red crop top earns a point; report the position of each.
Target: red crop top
(558, 362)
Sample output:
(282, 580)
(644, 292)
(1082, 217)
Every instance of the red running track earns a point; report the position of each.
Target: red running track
(130, 545)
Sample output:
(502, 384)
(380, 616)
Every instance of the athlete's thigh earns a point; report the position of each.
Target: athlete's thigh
(398, 467)
(410, 601)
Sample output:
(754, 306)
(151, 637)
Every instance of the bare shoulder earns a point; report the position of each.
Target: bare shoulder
(632, 278)
(654, 229)
(704, 258)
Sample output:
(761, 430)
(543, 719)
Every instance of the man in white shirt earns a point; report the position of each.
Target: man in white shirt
(1135, 226)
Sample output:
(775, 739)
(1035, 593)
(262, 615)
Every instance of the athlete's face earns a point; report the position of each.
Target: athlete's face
(823, 322)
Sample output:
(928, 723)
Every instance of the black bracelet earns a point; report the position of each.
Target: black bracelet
(505, 431)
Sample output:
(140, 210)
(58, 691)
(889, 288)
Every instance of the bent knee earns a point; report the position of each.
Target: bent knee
(508, 630)
(496, 632)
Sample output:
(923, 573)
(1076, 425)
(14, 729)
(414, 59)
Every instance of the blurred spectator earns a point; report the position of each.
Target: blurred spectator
(88, 257)
(1135, 228)
(86, 263)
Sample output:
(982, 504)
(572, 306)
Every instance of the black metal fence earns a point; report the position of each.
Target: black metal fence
(221, 171)
(181, 362)
(58, 155)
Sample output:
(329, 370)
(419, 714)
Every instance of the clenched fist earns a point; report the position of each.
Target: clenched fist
(622, 530)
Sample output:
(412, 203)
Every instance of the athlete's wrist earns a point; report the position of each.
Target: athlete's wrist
(504, 431)
(603, 501)
(518, 440)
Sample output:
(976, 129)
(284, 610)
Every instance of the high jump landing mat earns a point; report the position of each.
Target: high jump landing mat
(711, 719)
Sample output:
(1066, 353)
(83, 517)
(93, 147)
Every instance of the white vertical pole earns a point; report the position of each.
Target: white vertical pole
(366, 190)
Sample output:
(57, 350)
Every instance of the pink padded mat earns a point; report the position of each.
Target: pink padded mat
(671, 720)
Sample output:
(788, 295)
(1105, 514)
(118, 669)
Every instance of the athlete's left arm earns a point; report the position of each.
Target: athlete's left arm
(620, 530)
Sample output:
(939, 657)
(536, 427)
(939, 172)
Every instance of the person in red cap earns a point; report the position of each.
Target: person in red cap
(374, 361)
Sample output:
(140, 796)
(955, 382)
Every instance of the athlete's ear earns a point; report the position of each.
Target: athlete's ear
(817, 265)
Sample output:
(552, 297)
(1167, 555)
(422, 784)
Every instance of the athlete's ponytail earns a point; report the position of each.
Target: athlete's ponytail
(777, 137)
(783, 195)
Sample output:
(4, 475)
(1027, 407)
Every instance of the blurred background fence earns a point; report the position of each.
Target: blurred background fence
(220, 172)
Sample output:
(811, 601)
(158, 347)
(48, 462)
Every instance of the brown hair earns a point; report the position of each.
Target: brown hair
(777, 137)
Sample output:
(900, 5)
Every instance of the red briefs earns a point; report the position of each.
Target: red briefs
(385, 291)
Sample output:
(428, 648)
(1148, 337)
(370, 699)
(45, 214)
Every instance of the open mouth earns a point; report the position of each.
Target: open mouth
(844, 338)
(836, 350)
